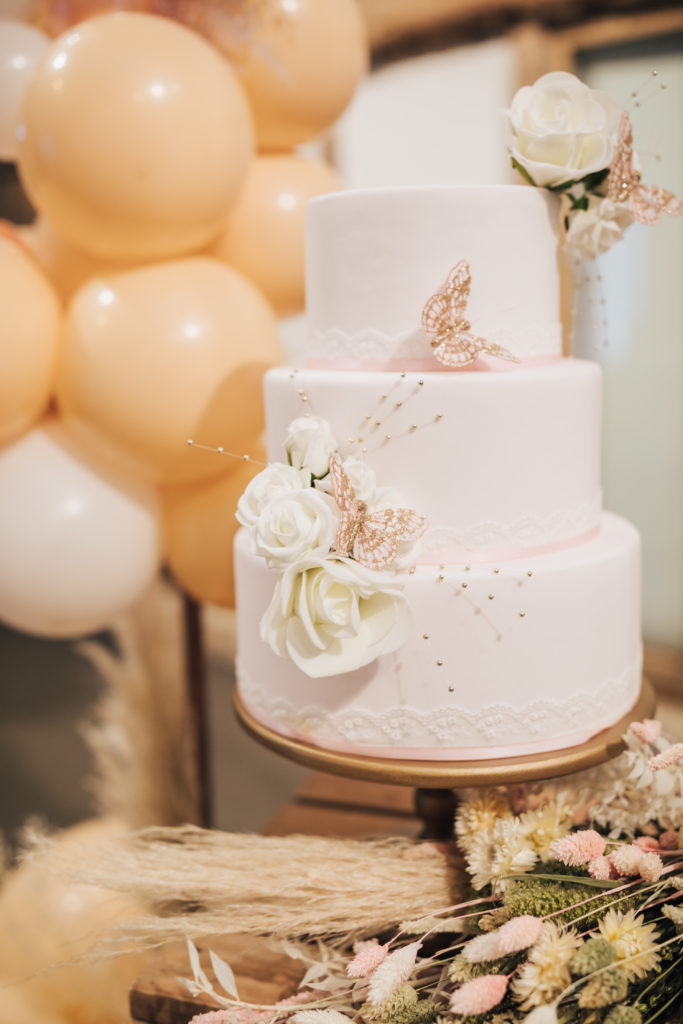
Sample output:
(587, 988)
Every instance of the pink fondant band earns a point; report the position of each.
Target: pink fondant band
(407, 753)
(460, 555)
(428, 364)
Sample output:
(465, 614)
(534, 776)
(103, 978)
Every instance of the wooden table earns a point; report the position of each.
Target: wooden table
(325, 805)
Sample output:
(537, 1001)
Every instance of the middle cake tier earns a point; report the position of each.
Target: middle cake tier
(500, 463)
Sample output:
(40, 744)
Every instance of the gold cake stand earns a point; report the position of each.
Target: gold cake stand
(435, 781)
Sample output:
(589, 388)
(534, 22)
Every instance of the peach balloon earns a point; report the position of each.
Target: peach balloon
(160, 355)
(67, 267)
(299, 62)
(200, 527)
(30, 325)
(21, 47)
(77, 546)
(136, 137)
(264, 234)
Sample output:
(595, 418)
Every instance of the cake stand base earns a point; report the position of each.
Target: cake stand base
(435, 780)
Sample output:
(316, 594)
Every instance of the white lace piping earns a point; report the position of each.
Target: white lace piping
(527, 531)
(334, 344)
(453, 726)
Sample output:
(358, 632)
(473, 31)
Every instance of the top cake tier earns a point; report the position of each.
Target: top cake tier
(375, 256)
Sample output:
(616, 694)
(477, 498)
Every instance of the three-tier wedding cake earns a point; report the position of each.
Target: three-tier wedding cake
(425, 570)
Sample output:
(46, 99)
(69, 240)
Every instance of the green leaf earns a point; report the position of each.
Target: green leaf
(580, 202)
(522, 170)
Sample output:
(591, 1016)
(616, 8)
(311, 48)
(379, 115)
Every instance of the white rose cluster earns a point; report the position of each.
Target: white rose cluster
(328, 614)
(597, 228)
(560, 131)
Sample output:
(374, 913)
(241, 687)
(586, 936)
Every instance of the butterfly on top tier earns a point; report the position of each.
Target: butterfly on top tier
(444, 316)
(646, 202)
(372, 538)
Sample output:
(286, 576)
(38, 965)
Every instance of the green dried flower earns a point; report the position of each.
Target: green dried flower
(541, 897)
(623, 1015)
(608, 987)
(591, 956)
(401, 1008)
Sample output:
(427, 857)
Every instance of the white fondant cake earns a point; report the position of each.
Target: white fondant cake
(515, 625)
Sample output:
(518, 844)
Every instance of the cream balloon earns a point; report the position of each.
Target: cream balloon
(66, 266)
(30, 326)
(136, 137)
(21, 47)
(77, 546)
(160, 355)
(264, 234)
(200, 527)
(48, 922)
(298, 60)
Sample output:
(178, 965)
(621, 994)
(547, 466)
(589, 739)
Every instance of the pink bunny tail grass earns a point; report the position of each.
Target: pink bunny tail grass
(367, 959)
(668, 840)
(479, 995)
(579, 847)
(518, 933)
(648, 844)
(667, 758)
(651, 867)
(394, 970)
(481, 948)
(646, 731)
(601, 867)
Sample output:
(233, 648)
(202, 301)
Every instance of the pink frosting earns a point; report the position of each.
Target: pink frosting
(458, 555)
(428, 364)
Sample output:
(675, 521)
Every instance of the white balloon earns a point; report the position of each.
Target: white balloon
(77, 546)
(21, 47)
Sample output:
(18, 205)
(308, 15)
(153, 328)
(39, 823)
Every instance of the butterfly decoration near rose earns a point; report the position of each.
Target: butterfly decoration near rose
(646, 202)
(371, 538)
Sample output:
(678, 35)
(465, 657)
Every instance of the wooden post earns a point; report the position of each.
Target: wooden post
(195, 674)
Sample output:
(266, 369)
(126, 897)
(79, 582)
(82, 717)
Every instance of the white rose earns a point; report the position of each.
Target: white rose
(294, 525)
(275, 480)
(309, 444)
(560, 130)
(332, 615)
(361, 477)
(596, 229)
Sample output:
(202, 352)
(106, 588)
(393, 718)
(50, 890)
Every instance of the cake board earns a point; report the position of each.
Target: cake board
(435, 781)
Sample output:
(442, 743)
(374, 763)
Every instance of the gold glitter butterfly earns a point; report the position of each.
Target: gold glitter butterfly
(372, 538)
(444, 316)
(646, 202)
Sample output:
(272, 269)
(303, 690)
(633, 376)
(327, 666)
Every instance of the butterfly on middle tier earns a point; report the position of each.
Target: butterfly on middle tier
(444, 316)
(371, 538)
(645, 202)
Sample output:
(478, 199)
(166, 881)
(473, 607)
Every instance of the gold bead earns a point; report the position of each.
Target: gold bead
(369, 416)
(439, 416)
(378, 423)
(398, 405)
(364, 451)
(413, 426)
(451, 689)
(387, 437)
(490, 597)
(425, 636)
(420, 382)
(529, 573)
(411, 570)
(496, 571)
(190, 443)
(304, 398)
(442, 566)
(246, 458)
(220, 450)
(464, 586)
(402, 375)
(439, 663)
(351, 440)
(467, 568)
(441, 576)
(522, 614)
(383, 397)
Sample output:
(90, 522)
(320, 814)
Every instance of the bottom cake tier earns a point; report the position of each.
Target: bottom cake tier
(503, 659)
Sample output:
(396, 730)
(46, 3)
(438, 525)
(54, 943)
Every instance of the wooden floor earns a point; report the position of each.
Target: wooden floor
(324, 805)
